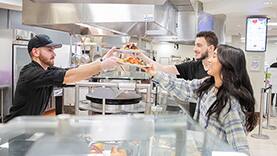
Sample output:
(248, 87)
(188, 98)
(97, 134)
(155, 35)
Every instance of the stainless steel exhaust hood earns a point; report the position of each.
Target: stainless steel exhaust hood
(187, 19)
(102, 19)
(191, 21)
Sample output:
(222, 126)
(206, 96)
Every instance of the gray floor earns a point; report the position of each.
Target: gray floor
(259, 147)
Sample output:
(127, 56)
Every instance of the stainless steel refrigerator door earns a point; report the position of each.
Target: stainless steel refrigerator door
(20, 59)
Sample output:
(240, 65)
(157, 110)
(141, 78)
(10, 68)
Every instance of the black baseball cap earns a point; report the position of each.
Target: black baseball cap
(42, 40)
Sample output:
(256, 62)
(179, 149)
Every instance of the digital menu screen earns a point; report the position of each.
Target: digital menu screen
(256, 34)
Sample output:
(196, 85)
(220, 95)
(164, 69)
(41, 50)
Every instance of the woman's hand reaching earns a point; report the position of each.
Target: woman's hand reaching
(150, 70)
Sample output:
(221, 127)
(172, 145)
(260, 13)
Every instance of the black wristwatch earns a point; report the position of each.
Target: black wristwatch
(101, 59)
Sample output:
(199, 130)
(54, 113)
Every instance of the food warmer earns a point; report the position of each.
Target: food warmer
(113, 97)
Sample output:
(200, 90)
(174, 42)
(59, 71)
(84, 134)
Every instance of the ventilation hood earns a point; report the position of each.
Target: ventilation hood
(138, 18)
(190, 20)
(186, 26)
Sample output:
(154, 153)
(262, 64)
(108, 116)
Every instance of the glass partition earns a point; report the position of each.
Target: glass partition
(135, 135)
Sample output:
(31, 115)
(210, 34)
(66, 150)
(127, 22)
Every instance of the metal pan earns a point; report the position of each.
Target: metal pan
(113, 97)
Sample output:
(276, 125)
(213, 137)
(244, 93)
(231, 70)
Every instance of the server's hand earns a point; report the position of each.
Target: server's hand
(109, 63)
(109, 53)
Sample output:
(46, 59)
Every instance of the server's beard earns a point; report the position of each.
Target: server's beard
(46, 61)
(204, 55)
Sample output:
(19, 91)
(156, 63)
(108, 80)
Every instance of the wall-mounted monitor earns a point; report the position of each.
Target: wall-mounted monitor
(256, 34)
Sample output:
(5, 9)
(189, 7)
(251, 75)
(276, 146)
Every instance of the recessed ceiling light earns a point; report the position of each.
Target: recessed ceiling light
(268, 2)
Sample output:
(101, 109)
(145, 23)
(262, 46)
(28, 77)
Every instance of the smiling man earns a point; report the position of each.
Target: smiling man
(204, 45)
(37, 79)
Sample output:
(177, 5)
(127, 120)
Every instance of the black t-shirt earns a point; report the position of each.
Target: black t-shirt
(273, 65)
(191, 70)
(34, 88)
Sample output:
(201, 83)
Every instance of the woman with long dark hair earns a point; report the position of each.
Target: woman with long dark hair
(225, 101)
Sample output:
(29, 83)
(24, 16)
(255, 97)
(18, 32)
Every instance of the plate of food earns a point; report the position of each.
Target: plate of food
(133, 61)
(129, 48)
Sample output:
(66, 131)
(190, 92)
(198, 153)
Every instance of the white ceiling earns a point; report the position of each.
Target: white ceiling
(236, 12)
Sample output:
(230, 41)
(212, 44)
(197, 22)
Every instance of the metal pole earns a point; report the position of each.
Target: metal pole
(271, 100)
(273, 111)
(268, 107)
(90, 90)
(103, 106)
(2, 105)
(77, 89)
(260, 135)
(149, 94)
(156, 96)
(148, 101)
(71, 50)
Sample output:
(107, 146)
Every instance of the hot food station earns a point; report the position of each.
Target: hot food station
(119, 112)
